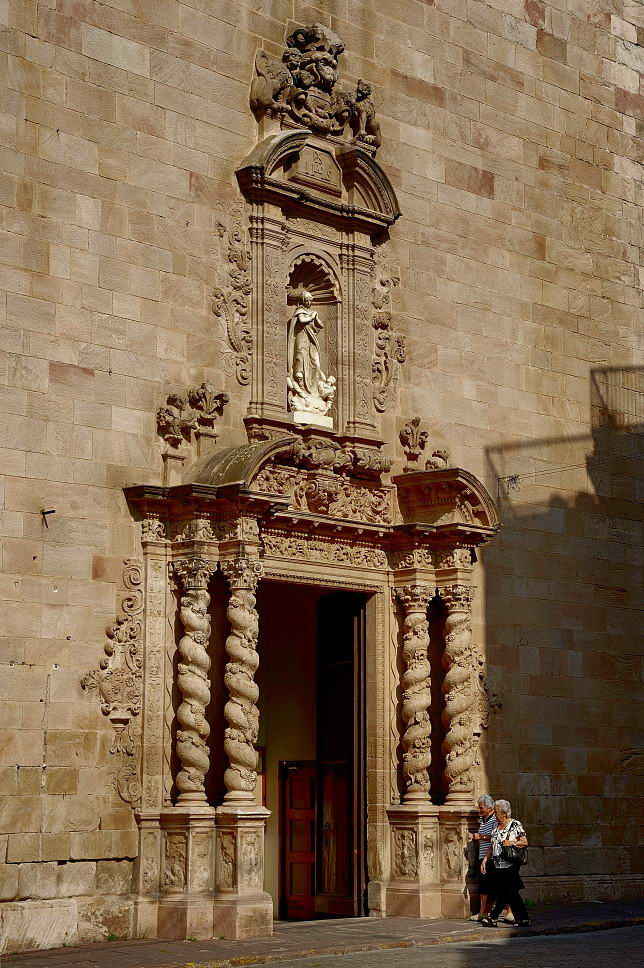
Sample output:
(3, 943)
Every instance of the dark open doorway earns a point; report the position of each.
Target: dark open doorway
(321, 796)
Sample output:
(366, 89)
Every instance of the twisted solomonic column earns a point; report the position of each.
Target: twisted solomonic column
(241, 710)
(194, 575)
(416, 698)
(458, 695)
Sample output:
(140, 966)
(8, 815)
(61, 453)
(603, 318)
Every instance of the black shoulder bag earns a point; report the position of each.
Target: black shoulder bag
(515, 855)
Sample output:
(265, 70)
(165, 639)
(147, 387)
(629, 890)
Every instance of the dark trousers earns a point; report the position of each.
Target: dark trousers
(506, 884)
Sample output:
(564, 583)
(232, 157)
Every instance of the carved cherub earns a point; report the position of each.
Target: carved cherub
(366, 129)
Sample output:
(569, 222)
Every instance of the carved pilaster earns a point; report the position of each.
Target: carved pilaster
(415, 683)
(241, 710)
(194, 576)
(458, 694)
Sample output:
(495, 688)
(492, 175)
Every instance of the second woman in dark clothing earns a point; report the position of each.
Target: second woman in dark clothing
(504, 874)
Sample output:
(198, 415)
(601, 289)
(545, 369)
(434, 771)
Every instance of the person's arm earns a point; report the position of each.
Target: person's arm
(486, 859)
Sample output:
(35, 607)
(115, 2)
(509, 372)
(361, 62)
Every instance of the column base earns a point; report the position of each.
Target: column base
(238, 918)
(456, 821)
(414, 888)
(185, 917)
(241, 908)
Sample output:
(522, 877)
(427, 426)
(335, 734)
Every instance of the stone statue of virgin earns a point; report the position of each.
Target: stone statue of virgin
(310, 391)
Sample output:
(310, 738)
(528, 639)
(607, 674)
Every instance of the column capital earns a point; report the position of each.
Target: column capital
(414, 598)
(243, 572)
(457, 598)
(194, 572)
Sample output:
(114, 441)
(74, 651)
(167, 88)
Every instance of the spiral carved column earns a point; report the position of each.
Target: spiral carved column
(193, 681)
(458, 695)
(241, 710)
(416, 698)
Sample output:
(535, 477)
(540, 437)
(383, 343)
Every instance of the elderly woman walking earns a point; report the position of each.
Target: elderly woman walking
(504, 872)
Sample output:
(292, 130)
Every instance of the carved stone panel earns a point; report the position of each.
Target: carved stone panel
(405, 853)
(174, 863)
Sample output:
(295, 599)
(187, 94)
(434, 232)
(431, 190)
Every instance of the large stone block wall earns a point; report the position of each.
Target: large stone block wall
(512, 132)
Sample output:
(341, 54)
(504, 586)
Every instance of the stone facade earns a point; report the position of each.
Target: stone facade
(458, 187)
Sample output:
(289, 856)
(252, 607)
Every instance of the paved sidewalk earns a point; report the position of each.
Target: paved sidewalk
(293, 940)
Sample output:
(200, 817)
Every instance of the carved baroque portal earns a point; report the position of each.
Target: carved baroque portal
(306, 311)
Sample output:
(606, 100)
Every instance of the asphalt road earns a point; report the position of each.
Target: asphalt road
(616, 948)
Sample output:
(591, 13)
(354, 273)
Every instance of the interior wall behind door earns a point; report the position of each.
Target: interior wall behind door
(287, 690)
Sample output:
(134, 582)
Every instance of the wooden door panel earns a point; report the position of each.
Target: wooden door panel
(299, 797)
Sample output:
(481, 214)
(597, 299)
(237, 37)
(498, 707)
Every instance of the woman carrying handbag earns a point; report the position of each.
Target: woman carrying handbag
(506, 853)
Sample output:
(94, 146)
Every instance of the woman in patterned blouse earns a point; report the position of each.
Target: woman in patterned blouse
(505, 876)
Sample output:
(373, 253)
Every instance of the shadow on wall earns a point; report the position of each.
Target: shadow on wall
(565, 650)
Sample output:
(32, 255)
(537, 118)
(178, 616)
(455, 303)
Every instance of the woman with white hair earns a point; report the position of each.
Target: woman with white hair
(504, 872)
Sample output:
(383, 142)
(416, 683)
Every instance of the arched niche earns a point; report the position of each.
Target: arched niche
(311, 272)
(317, 208)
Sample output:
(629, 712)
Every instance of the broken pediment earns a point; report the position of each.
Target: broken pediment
(333, 180)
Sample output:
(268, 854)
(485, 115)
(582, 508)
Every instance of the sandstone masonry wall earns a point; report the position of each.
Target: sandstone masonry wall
(513, 132)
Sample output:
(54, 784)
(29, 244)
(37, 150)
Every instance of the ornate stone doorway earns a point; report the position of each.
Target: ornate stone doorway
(312, 715)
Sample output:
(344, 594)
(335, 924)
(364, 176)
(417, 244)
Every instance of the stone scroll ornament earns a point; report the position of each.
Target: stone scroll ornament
(231, 300)
(458, 694)
(416, 687)
(240, 711)
(303, 88)
(390, 346)
(119, 684)
(193, 576)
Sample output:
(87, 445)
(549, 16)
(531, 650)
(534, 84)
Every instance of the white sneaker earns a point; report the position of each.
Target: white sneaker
(475, 917)
(508, 919)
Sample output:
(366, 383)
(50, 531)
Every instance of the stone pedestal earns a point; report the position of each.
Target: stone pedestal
(241, 907)
(414, 890)
(455, 824)
(187, 873)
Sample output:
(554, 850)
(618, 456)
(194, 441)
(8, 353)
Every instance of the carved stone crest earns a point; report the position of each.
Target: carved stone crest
(303, 88)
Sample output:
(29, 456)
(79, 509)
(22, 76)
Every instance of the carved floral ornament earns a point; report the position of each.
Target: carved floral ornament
(198, 411)
(414, 437)
(231, 297)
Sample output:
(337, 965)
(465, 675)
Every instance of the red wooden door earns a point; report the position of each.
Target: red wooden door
(299, 797)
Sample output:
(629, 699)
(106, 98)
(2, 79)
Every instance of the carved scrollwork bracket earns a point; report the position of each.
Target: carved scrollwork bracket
(119, 684)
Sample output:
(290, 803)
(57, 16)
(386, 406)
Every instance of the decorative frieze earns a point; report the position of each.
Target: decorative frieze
(241, 713)
(313, 548)
(193, 575)
(119, 684)
(335, 495)
(416, 691)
